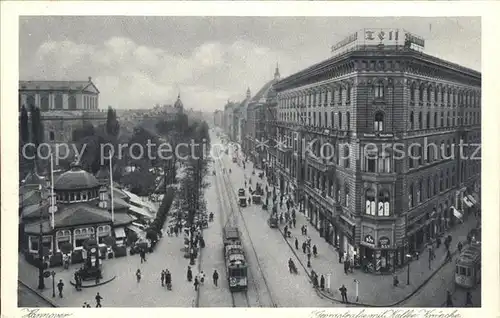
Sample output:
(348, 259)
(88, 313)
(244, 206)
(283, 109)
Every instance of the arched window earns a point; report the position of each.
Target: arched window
(346, 156)
(412, 92)
(410, 196)
(31, 101)
(52, 136)
(419, 120)
(45, 103)
(340, 95)
(332, 119)
(442, 119)
(429, 93)
(340, 120)
(379, 89)
(421, 93)
(72, 102)
(348, 120)
(436, 120)
(379, 121)
(411, 121)
(346, 195)
(59, 102)
(348, 94)
(436, 92)
(428, 120)
(447, 179)
(370, 202)
(448, 119)
(383, 203)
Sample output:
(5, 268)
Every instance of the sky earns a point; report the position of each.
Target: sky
(137, 62)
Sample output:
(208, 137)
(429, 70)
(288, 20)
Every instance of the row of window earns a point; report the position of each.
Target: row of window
(335, 122)
(80, 196)
(444, 97)
(89, 102)
(322, 98)
(471, 118)
(380, 205)
(443, 181)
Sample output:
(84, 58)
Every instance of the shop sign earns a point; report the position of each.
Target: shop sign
(369, 239)
(384, 242)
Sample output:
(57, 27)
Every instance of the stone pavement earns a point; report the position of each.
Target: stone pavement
(374, 290)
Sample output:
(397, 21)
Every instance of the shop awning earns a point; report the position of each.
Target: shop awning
(471, 199)
(142, 211)
(457, 213)
(120, 232)
(135, 229)
(467, 202)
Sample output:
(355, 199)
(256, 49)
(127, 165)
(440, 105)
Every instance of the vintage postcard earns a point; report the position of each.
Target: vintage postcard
(182, 155)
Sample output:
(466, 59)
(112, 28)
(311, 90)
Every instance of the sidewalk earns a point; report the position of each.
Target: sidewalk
(370, 285)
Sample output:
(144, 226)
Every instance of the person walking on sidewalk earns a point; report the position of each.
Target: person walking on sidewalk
(340, 256)
(346, 266)
(322, 282)
(98, 299)
(315, 250)
(304, 245)
(60, 287)
(459, 247)
(202, 278)
(138, 275)
(196, 283)
(162, 277)
(448, 256)
(215, 277)
(296, 244)
(343, 293)
(142, 254)
(189, 274)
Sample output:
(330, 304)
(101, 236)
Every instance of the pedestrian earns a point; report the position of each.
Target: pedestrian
(168, 279)
(304, 245)
(84, 304)
(162, 277)
(315, 281)
(294, 221)
(346, 266)
(340, 256)
(142, 253)
(468, 299)
(343, 292)
(459, 247)
(189, 274)
(309, 256)
(249, 201)
(296, 244)
(285, 231)
(305, 230)
(196, 283)
(76, 282)
(449, 301)
(302, 229)
(202, 242)
(60, 287)
(315, 250)
(202, 278)
(215, 277)
(138, 275)
(98, 299)
(322, 282)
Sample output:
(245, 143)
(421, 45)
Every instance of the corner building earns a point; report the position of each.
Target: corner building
(378, 99)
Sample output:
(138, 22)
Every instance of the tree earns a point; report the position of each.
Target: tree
(36, 126)
(112, 124)
(87, 130)
(25, 133)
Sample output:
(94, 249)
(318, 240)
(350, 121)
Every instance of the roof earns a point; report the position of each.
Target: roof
(75, 179)
(261, 95)
(178, 102)
(141, 211)
(103, 173)
(34, 178)
(30, 197)
(57, 85)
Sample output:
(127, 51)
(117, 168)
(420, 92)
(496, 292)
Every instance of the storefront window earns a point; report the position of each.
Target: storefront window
(370, 201)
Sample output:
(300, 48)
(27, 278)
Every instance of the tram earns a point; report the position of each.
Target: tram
(234, 256)
(468, 266)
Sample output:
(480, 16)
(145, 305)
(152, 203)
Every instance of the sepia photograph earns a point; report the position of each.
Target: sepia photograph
(249, 161)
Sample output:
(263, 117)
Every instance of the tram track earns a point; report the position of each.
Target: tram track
(233, 199)
(239, 299)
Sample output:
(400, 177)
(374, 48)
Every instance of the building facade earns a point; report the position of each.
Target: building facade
(218, 118)
(369, 145)
(256, 136)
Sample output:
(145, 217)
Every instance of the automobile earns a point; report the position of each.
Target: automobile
(243, 202)
(241, 192)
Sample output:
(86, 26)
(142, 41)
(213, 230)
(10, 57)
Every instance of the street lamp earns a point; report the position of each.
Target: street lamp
(408, 257)
(53, 283)
(41, 281)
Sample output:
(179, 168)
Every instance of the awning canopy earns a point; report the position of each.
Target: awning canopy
(471, 199)
(120, 232)
(135, 229)
(457, 213)
(142, 211)
(467, 202)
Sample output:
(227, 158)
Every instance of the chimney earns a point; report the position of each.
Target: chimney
(90, 79)
(103, 198)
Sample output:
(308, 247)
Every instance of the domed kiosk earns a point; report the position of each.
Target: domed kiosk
(78, 211)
